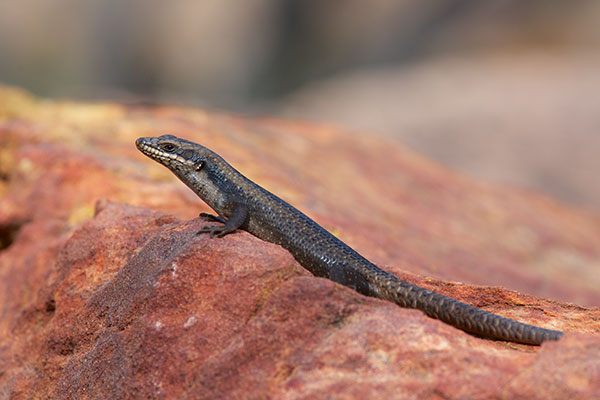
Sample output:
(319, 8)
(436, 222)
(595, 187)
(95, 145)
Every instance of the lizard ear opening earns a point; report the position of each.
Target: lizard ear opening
(199, 165)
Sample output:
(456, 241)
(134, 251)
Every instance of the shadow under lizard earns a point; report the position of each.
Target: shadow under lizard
(241, 203)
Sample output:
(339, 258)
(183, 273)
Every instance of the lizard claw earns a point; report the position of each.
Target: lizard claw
(215, 230)
(212, 218)
(212, 230)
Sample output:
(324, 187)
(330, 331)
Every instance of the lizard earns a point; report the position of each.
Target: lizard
(242, 204)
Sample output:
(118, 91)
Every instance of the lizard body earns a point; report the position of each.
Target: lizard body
(240, 203)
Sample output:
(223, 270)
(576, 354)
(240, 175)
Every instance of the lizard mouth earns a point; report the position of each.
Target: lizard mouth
(149, 149)
(154, 153)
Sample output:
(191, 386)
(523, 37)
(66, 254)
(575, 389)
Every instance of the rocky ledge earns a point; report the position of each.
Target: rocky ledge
(106, 291)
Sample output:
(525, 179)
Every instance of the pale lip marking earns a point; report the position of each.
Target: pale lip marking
(158, 154)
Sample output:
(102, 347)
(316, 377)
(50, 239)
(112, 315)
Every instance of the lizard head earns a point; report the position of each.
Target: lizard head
(173, 152)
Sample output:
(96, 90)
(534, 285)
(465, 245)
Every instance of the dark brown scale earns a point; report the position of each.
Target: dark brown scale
(243, 204)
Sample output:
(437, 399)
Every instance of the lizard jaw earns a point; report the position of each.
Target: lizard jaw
(152, 151)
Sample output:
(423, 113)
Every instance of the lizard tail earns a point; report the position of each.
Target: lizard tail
(466, 317)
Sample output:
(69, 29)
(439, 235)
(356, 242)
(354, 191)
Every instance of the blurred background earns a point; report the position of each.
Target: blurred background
(507, 91)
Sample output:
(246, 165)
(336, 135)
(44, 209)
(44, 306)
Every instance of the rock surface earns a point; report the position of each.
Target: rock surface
(107, 292)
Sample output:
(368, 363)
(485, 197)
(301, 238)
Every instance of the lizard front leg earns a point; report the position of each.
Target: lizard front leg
(238, 217)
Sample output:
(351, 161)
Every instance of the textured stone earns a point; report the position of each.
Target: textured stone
(104, 299)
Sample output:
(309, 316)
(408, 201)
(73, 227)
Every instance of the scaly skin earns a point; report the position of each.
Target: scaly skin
(240, 203)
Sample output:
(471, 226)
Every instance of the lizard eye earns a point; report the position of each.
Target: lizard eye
(167, 147)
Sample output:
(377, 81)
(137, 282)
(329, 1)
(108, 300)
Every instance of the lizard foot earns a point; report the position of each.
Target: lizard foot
(215, 230)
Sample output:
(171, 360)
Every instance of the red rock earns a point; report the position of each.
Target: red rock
(113, 300)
